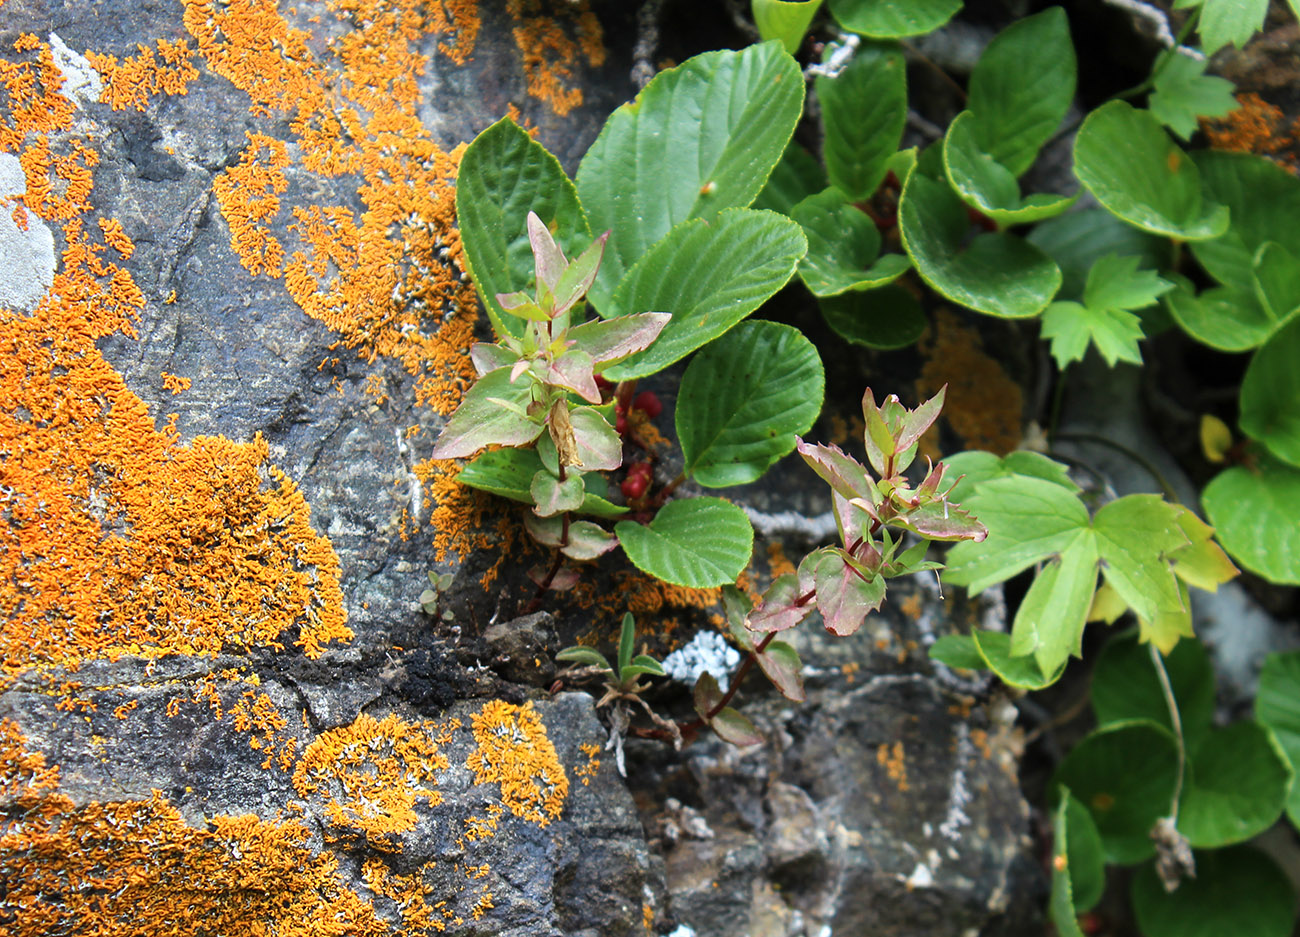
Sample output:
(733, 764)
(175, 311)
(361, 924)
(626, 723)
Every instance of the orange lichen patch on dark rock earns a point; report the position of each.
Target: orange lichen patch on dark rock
(249, 195)
(368, 776)
(513, 751)
(550, 51)
(175, 383)
(1255, 127)
(410, 894)
(135, 867)
(983, 405)
(131, 82)
(893, 761)
(587, 771)
(31, 102)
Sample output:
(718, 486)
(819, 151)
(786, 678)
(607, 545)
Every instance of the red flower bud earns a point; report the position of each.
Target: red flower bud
(648, 401)
(634, 485)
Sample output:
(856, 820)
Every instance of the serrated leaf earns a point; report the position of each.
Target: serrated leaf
(1226, 21)
(1050, 621)
(709, 275)
(699, 543)
(1115, 282)
(1222, 317)
(778, 609)
(609, 341)
(504, 174)
(700, 138)
(1183, 93)
(941, 521)
(1126, 160)
(1014, 117)
(978, 467)
(780, 661)
(491, 413)
(743, 399)
(864, 110)
(893, 19)
(1000, 274)
(1077, 240)
(1253, 512)
(1202, 563)
(1270, 394)
(1238, 891)
(843, 247)
(844, 595)
(1125, 685)
(886, 318)
(1236, 786)
(1136, 535)
(786, 20)
(1073, 326)
(1124, 774)
(846, 476)
(731, 726)
(1277, 705)
(797, 176)
(1264, 201)
(989, 187)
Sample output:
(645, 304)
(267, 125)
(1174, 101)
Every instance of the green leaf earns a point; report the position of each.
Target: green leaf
(1116, 283)
(893, 19)
(1015, 117)
(1115, 287)
(888, 317)
(1270, 394)
(843, 247)
(1061, 904)
(1086, 861)
(1264, 201)
(1226, 21)
(1018, 671)
(1126, 160)
(989, 187)
(1238, 891)
(958, 651)
(786, 20)
(588, 541)
(700, 138)
(734, 727)
(1124, 774)
(508, 473)
(504, 174)
(1183, 93)
(695, 542)
(1277, 705)
(1135, 536)
(1050, 621)
(626, 641)
(491, 413)
(1078, 240)
(1277, 280)
(551, 496)
(864, 109)
(709, 275)
(743, 399)
(584, 655)
(780, 661)
(1223, 317)
(979, 467)
(1253, 512)
(999, 273)
(1236, 786)
(1125, 685)
(797, 176)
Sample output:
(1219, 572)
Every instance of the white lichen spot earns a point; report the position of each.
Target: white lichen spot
(683, 930)
(80, 80)
(959, 795)
(921, 877)
(26, 256)
(708, 652)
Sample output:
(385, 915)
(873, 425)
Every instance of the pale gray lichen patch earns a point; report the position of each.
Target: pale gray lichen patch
(26, 256)
(80, 80)
(707, 652)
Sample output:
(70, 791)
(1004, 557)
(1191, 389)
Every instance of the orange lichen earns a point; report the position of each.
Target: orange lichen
(249, 196)
(588, 771)
(983, 404)
(135, 867)
(1256, 126)
(514, 752)
(175, 383)
(368, 776)
(891, 758)
(550, 53)
(133, 81)
(409, 893)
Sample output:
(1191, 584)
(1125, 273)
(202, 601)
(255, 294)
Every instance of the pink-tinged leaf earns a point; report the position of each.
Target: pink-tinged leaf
(842, 472)
(493, 412)
(599, 446)
(522, 306)
(490, 357)
(737, 606)
(588, 541)
(779, 609)
(878, 437)
(939, 520)
(548, 259)
(518, 368)
(780, 661)
(707, 695)
(843, 597)
(578, 276)
(545, 530)
(919, 420)
(867, 507)
(552, 496)
(565, 577)
(610, 341)
(929, 487)
(732, 727)
(573, 371)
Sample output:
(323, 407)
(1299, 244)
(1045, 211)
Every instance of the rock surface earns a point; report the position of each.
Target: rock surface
(235, 319)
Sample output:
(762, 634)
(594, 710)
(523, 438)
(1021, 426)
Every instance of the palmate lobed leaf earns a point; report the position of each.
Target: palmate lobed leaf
(1183, 93)
(1225, 22)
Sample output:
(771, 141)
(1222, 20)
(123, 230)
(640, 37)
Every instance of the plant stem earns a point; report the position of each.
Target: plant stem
(1176, 723)
(536, 601)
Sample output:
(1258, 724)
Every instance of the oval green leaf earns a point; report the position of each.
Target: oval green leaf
(1263, 200)
(1061, 906)
(864, 110)
(1277, 705)
(1270, 393)
(786, 20)
(1125, 685)
(1086, 861)
(1236, 786)
(893, 19)
(1222, 317)
(1124, 773)
(709, 275)
(999, 274)
(843, 247)
(797, 176)
(504, 174)
(1253, 512)
(743, 399)
(508, 473)
(701, 138)
(1126, 160)
(1238, 891)
(889, 317)
(699, 543)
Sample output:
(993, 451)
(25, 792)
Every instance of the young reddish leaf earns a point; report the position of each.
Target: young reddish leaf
(578, 276)
(737, 606)
(548, 259)
(545, 530)
(732, 727)
(917, 421)
(939, 520)
(777, 609)
(490, 357)
(611, 340)
(878, 437)
(565, 577)
(842, 472)
(588, 541)
(573, 371)
(843, 597)
(599, 447)
(493, 411)
(707, 695)
(781, 663)
(522, 306)
(552, 496)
